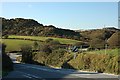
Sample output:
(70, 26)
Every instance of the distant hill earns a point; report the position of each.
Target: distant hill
(97, 38)
(30, 27)
(104, 33)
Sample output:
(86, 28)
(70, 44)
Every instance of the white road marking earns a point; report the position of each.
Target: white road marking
(72, 74)
(29, 75)
(35, 68)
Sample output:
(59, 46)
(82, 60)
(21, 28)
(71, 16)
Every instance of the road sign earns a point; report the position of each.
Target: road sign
(75, 49)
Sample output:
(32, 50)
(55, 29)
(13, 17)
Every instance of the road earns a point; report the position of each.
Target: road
(36, 72)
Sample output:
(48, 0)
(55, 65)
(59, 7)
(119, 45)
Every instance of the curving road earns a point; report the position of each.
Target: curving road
(36, 72)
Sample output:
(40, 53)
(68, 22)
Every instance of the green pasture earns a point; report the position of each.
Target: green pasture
(61, 40)
(15, 45)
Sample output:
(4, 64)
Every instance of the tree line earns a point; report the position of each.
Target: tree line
(30, 27)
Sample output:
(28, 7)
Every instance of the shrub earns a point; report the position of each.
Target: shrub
(40, 57)
(48, 40)
(56, 57)
(35, 45)
(6, 36)
(45, 48)
(7, 63)
(26, 51)
(96, 62)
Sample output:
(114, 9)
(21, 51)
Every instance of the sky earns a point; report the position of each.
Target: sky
(67, 15)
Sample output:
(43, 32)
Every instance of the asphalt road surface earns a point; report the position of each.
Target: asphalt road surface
(36, 72)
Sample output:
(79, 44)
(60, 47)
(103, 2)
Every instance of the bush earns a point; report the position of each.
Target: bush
(26, 51)
(7, 64)
(96, 62)
(35, 45)
(40, 57)
(6, 36)
(48, 40)
(45, 48)
(56, 57)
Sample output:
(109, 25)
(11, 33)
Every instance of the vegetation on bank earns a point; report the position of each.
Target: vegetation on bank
(7, 64)
(52, 55)
(113, 52)
(103, 63)
(96, 62)
(48, 45)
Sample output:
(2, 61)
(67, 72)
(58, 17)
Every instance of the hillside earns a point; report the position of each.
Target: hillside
(30, 27)
(97, 38)
(104, 33)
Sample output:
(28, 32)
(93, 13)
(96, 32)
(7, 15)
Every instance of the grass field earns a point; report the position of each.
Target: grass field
(15, 45)
(61, 40)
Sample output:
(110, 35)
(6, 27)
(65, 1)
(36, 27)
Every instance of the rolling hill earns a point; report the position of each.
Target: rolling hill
(30, 27)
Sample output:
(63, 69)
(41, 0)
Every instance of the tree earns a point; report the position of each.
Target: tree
(5, 36)
(45, 48)
(26, 51)
(3, 48)
(48, 40)
(7, 63)
(36, 45)
(55, 44)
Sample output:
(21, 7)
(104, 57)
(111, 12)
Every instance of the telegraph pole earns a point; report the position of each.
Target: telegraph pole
(106, 46)
(81, 48)
(105, 43)
(74, 55)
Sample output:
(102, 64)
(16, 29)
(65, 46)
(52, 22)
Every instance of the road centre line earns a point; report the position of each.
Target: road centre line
(27, 76)
(30, 75)
(72, 74)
